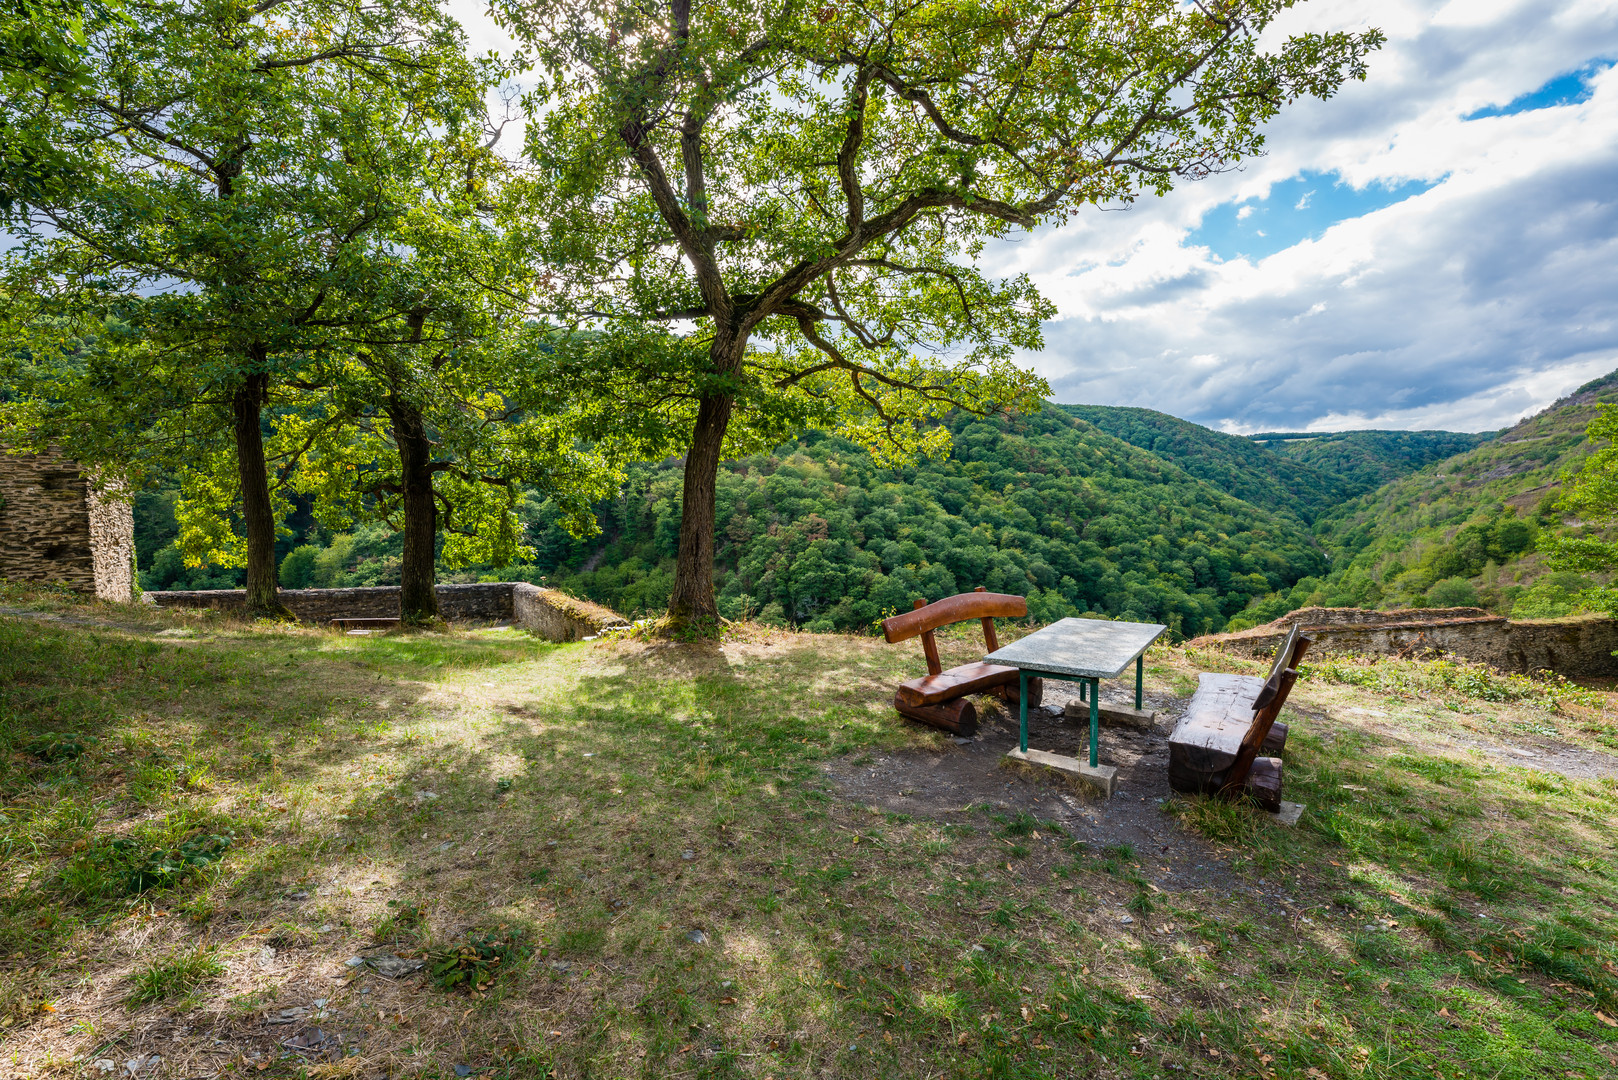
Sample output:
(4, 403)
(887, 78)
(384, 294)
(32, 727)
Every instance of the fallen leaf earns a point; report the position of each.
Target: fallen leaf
(1443, 1012)
(960, 1040)
(1027, 1015)
(1605, 1019)
(727, 1001)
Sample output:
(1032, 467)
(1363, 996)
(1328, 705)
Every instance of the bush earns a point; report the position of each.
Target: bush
(1452, 592)
(298, 568)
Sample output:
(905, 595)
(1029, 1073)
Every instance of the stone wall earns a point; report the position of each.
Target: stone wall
(488, 602)
(546, 613)
(557, 616)
(57, 528)
(1580, 646)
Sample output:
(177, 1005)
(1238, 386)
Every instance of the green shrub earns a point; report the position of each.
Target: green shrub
(1453, 592)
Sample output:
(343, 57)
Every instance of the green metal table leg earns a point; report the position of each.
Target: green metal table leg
(1095, 721)
(1140, 673)
(1022, 708)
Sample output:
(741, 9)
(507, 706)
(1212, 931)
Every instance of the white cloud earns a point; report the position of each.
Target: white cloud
(1484, 297)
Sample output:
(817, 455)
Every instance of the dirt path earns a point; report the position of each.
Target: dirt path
(943, 785)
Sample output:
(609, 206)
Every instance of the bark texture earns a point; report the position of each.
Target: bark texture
(692, 604)
(258, 516)
(418, 600)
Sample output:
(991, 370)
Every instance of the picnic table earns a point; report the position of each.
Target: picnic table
(1084, 651)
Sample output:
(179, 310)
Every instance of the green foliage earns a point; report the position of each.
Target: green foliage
(166, 866)
(175, 975)
(1466, 678)
(1452, 592)
(55, 749)
(477, 963)
(1368, 459)
(1592, 494)
(1552, 596)
(820, 535)
(1236, 465)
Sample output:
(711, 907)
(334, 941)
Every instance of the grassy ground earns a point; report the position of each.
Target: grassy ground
(636, 847)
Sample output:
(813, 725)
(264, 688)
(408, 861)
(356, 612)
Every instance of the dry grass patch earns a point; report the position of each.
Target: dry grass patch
(631, 854)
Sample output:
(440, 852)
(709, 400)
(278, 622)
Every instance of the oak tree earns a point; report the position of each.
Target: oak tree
(775, 208)
(251, 162)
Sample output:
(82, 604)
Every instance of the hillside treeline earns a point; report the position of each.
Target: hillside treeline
(817, 535)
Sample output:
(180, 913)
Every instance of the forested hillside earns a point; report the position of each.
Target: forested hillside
(818, 535)
(1235, 465)
(1461, 531)
(1368, 459)
(1122, 512)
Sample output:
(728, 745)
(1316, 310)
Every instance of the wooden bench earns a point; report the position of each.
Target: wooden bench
(1214, 748)
(365, 623)
(939, 697)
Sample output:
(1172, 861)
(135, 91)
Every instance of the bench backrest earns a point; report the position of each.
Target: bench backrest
(926, 618)
(1289, 655)
(1266, 707)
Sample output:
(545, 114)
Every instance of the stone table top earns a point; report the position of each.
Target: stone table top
(1087, 648)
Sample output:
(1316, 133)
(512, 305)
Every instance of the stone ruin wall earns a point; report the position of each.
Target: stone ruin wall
(1578, 647)
(58, 528)
(547, 613)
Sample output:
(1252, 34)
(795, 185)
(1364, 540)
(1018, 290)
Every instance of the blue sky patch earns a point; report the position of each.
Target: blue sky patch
(1568, 89)
(1299, 209)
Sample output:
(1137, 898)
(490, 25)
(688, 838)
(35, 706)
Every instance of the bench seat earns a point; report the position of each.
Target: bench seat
(974, 678)
(1205, 741)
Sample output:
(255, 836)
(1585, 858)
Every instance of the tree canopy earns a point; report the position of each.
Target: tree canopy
(251, 168)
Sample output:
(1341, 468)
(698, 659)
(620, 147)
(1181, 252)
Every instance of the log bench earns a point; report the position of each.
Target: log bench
(938, 698)
(1214, 749)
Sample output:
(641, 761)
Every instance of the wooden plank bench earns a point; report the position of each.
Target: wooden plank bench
(939, 697)
(1231, 718)
(365, 624)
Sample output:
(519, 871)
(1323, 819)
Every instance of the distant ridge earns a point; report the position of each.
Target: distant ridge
(1369, 458)
(1235, 465)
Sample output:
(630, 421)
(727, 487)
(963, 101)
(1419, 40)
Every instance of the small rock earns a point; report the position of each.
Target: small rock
(394, 967)
(560, 965)
(326, 928)
(697, 937)
(355, 961)
(463, 1070)
(589, 755)
(298, 896)
(979, 948)
(320, 1003)
(446, 845)
(688, 855)
(426, 796)
(105, 1065)
(1127, 919)
(960, 741)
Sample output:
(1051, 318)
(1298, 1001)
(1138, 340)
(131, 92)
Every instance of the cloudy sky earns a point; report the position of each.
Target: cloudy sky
(1435, 247)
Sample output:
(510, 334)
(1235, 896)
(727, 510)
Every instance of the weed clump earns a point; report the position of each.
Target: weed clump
(476, 963)
(175, 975)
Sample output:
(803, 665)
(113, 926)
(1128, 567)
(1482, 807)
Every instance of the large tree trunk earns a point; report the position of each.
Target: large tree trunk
(691, 605)
(263, 595)
(418, 596)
